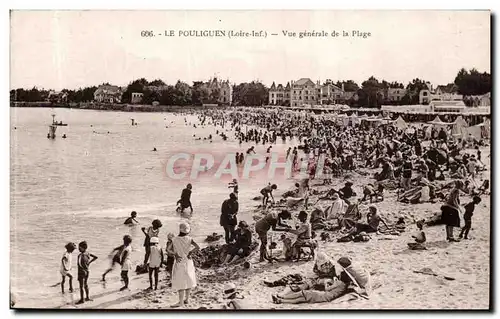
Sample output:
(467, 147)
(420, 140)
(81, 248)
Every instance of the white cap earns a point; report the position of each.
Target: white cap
(229, 286)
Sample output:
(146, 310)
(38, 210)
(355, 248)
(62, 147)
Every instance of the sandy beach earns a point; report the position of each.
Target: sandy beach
(465, 264)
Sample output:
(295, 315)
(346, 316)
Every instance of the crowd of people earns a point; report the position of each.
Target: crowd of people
(418, 168)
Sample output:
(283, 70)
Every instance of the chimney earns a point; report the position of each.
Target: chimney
(343, 86)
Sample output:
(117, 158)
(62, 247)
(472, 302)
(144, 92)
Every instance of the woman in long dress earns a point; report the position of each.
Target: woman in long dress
(183, 273)
(450, 211)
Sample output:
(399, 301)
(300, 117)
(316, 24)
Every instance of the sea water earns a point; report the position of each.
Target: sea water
(85, 186)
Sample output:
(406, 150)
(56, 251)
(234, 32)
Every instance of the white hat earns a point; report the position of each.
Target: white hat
(184, 228)
(154, 240)
(229, 287)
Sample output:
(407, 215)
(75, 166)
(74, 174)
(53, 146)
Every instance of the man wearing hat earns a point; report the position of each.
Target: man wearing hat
(228, 218)
(357, 279)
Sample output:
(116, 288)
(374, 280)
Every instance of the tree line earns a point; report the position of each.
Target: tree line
(371, 93)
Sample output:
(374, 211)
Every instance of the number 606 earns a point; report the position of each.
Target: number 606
(147, 34)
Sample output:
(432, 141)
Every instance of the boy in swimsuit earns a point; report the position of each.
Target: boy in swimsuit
(115, 260)
(84, 260)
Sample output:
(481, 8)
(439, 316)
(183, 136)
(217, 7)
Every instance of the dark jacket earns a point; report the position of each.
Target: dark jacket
(229, 210)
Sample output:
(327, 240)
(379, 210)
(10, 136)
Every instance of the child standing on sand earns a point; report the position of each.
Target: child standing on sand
(170, 256)
(469, 211)
(152, 231)
(84, 260)
(66, 266)
(155, 261)
(125, 260)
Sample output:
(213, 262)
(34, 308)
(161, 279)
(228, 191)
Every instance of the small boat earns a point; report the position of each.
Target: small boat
(60, 123)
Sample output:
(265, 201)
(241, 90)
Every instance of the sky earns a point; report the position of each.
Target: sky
(72, 49)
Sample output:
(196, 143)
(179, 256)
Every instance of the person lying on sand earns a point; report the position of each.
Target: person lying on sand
(352, 280)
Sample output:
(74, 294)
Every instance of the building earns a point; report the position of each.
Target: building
(447, 106)
(223, 90)
(447, 92)
(478, 100)
(331, 93)
(395, 94)
(57, 97)
(108, 94)
(351, 95)
(305, 92)
(279, 95)
(136, 98)
(418, 108)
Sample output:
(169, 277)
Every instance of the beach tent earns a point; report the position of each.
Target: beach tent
(487, 127)
(400, 123)
(459, 128)
(437, 121)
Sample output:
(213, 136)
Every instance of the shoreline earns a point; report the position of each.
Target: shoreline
(390, 263)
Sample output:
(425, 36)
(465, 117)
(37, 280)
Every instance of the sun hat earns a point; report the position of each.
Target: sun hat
(229, 288)
(243, 224)
(184, 228)
(154, 240)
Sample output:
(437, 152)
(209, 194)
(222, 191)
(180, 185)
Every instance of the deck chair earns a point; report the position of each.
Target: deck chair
(351, 216)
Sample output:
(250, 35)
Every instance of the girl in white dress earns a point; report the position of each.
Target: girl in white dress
(65, 269)
(183, 273)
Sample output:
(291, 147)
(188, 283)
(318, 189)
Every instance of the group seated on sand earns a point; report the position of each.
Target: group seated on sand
(352, 282)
